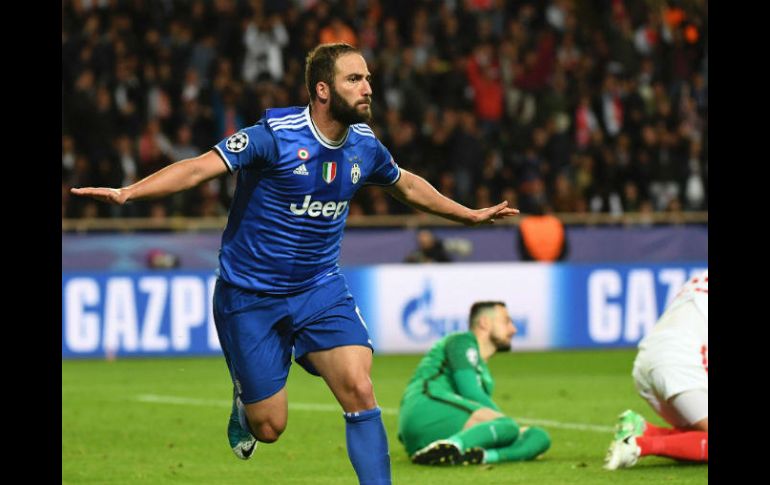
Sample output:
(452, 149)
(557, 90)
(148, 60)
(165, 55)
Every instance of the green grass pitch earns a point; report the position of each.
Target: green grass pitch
(163, 421)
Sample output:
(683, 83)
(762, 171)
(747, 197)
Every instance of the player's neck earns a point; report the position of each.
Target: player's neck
(330, 129)
(486, 348)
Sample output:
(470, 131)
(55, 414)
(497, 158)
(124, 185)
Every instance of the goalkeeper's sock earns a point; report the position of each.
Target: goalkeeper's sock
(489, 434)
(690, 445)
(531, 443)
(368, 447)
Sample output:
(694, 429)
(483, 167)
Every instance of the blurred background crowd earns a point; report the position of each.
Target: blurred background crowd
(568, 105)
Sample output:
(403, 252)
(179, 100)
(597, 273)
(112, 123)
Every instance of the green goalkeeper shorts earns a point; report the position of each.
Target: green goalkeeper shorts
(424, 419)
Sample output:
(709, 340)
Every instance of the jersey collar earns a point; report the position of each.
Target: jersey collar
(331, 144)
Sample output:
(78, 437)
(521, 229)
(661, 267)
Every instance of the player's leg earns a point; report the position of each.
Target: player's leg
(679, 445)
(346, 372)
(332, 341)
(267, 418)
(477, 444)
(679, 394)
(486, 429)
(425, 421)
(501, 438)
(456, 430)
(493, 441)
(632, 423)
(481, 415)
(701, 425)
(530, 443)
(256, 341)
(689, 411)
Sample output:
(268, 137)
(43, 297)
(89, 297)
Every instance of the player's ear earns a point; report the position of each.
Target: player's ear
(322, 91)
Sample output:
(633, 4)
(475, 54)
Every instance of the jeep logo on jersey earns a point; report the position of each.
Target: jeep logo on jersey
(355, 173)
(329, 171)
(238, 142)
(317, 208)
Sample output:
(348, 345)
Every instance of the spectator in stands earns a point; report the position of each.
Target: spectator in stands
(542, 237)
(160, 259)
(430, 249)
(513, 67)
(264, 38)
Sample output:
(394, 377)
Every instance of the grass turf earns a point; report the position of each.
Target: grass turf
(163, 421)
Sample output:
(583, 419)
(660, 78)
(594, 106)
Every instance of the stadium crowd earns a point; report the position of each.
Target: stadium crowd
(580, 106)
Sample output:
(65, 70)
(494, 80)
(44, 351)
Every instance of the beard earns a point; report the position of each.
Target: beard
(345, 113)
(501, 344)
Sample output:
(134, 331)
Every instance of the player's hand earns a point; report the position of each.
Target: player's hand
(104, 194)
(490, 214)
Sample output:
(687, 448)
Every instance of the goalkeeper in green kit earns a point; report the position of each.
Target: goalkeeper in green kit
(447, 416)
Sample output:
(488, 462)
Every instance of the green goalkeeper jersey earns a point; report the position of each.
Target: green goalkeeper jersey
(454, 365)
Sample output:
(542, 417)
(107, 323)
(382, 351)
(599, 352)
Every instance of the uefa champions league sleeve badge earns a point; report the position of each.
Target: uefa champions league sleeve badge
(237, 142)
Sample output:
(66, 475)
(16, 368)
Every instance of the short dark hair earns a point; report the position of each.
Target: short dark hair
(320, 64)
(479, 307)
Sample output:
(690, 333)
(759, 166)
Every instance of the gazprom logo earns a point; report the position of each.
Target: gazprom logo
(421, 324)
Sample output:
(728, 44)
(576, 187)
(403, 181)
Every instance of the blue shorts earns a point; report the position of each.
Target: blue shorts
(258, 331)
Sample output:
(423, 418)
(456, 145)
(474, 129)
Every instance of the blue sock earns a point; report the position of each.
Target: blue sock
(368, 447)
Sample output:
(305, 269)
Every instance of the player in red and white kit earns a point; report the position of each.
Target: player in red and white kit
(671, 374)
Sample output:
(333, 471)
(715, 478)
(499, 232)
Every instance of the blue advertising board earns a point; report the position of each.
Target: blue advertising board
(406, 307)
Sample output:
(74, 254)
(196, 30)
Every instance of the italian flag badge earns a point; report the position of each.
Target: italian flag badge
(329, 171)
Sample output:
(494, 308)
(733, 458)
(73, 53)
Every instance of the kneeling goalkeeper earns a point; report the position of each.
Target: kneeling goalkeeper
(447, 416)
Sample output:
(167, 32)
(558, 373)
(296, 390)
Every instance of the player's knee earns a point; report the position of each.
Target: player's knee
(702, 425)
(509, 425)
(539, 438)
(487, 414)
(481, 416)
(361, 393)
(267, 432)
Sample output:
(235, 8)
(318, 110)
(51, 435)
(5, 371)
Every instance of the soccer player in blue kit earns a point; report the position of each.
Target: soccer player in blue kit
(279, 286)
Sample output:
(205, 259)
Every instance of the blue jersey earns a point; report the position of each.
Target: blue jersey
(284, 231)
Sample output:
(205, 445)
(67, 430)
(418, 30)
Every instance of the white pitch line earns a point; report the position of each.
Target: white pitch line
(182, 400)
(299, 406)
(558, 424)
(186, 401)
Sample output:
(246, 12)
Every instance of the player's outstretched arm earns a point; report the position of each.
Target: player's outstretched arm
(415, 191)
(176, 177)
